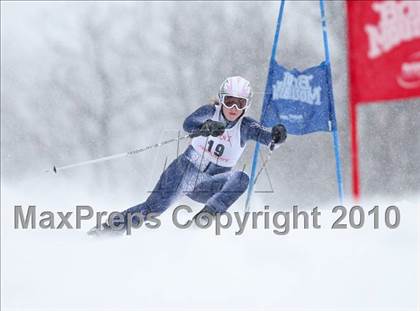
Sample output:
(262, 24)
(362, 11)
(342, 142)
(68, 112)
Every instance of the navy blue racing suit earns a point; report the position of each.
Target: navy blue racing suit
(216, 186)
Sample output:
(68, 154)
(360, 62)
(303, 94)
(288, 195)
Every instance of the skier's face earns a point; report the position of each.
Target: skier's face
(230, 107)
(232, 113)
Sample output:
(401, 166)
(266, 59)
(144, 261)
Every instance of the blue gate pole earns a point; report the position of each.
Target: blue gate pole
(266, 95)
(336, 143)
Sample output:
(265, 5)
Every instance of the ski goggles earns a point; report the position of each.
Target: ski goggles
(231, 101)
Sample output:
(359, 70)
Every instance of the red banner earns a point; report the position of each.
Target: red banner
(384, 59)
(384, 50)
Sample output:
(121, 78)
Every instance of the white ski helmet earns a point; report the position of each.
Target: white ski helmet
(236, 87)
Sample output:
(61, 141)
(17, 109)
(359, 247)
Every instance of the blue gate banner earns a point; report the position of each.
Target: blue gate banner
(300, 100)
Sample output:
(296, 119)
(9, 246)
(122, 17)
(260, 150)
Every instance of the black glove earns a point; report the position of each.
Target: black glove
(278, 133)
(212, 128)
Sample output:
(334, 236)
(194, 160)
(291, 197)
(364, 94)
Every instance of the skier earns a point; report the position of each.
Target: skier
(204, 171)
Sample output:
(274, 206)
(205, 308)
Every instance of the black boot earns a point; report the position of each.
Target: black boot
(205, 215)
(107, 229)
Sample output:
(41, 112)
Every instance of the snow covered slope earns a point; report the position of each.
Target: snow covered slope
(173, 269)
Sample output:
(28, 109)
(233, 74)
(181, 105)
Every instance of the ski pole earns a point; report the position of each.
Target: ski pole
(265, 161)
(55, 169)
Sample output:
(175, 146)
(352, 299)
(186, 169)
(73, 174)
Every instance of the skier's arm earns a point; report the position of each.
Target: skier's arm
(252, 130)
(194, 121)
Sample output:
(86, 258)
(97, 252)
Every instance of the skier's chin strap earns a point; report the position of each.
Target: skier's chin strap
(231, 122)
